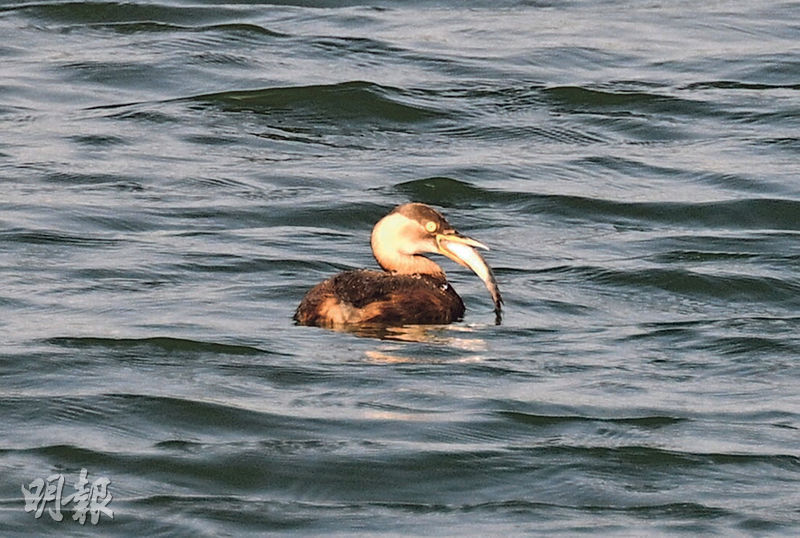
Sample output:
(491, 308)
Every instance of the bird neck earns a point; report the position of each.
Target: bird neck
(404, 264)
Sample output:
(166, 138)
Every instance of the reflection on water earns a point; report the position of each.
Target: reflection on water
(391, 357)
(447, 342)
(430, 334)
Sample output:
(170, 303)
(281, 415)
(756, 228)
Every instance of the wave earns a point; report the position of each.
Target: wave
(736, 85)
(104, 12)
(630, 101)
(648, 422)
(163, 344)
(731, 287)
(52, 237)
(346, 101)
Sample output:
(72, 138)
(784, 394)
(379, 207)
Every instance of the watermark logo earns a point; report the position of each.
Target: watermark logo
(88, 498)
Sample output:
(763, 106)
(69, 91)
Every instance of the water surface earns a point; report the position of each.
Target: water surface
(177, 174)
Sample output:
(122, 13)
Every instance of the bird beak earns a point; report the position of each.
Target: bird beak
(461, 249)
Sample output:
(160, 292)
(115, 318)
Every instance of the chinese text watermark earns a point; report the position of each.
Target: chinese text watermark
(88, 498)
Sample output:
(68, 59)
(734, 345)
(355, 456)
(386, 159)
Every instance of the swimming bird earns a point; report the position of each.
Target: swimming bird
(412, 288)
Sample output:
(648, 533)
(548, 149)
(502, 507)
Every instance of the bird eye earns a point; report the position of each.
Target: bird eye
(431, 226)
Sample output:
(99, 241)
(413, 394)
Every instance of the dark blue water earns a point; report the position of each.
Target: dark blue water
(175, 175)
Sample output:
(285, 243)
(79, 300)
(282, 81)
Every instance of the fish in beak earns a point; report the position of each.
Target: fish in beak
(462, 250)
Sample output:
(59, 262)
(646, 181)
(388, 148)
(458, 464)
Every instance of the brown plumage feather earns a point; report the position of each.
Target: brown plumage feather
(383, 298)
